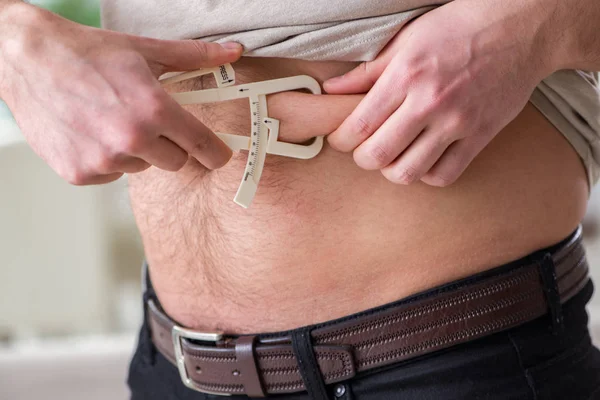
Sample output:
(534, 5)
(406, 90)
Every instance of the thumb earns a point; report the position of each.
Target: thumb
(360, 80)
(187, 55)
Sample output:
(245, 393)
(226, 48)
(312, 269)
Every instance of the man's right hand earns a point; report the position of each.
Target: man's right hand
(88, 100)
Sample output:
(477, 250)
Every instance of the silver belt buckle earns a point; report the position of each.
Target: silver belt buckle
(178, 334)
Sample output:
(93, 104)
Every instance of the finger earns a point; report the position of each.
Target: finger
(358, 80)
(321, 114)
(377, 106)
(97, 180)
(454, 161)
(362, 78)
(198, 141)
(391, 139)
(131, 165)
(186, 55)
(165, 154)
(420, 156)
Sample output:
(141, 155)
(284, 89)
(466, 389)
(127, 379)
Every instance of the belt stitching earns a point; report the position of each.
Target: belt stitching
(582, 274)
(567, 253)
(218, 387)
(344, 358)
(449, 338)
(379, 323)
(575, 265)
(567, 291)
(449, 320)
(580, 261)
(457, 299)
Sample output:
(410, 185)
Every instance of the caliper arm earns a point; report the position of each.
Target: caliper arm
(264, 133)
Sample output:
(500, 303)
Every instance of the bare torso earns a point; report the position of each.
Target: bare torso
(324, 238)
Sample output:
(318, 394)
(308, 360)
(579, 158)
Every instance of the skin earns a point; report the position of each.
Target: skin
(324, 238)
(107, 115)
(347, 227)
(452, 79)
(99, 109)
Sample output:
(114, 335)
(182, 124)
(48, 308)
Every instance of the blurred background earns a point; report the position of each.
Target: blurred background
(72, 327)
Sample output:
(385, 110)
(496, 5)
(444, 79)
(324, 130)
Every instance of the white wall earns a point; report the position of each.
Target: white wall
(57, 249)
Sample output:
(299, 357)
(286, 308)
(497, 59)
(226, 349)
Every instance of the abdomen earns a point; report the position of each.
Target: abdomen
(324, 238)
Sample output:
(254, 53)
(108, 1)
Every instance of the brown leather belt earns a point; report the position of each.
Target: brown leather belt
(265, 364)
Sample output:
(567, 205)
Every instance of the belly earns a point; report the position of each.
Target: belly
(324, 238)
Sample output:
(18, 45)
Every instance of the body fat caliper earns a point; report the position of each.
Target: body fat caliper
(264, 133)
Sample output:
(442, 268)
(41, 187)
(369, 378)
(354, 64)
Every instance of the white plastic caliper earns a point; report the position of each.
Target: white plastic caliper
(264, 133)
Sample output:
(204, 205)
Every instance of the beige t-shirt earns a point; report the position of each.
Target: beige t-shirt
(343, 30)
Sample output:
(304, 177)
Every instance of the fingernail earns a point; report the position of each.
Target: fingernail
(233, 46)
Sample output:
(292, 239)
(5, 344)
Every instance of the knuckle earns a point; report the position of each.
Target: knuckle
(444, 138)
(201, 48)
(103, 164)
(128, 60)
(379, 156)
(131, 140)
(425, 111)
(364, 128)
(414, 72)
(438, 97)
(202, 144)
(132, 144)
(441, 179)
(155, 107)
(457, 124)
(404, 175)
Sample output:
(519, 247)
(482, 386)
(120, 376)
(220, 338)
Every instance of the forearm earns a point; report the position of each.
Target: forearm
(574, 33)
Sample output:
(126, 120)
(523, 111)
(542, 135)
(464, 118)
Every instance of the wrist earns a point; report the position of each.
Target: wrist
(554, 49)
(16, 20)
(569, 41)
(520, 30)
(539, 16)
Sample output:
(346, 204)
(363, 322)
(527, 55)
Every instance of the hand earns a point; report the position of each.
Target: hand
(441, 90)
(88, 100)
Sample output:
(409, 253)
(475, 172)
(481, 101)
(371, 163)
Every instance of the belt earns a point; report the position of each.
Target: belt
(259, 365)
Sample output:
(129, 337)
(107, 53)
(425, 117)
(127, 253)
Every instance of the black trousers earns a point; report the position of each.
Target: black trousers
(533, 361)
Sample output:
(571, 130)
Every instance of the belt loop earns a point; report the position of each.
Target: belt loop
(307, 363)
(551, 293)
(248, 373)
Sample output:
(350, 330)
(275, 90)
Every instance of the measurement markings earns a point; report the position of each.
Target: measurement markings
(254, 154)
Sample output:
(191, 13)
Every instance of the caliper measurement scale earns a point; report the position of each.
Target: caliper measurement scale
(257, 153)
(264, 133)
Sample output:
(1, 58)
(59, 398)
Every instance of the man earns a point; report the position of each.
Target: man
(459, 283)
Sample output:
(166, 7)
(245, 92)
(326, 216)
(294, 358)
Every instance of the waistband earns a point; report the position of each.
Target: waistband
(258, 365)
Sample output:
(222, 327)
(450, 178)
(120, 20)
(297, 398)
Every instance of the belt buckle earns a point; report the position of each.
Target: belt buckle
(179, 333)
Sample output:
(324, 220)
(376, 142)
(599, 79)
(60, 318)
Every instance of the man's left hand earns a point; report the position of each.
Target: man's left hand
(443, 88)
